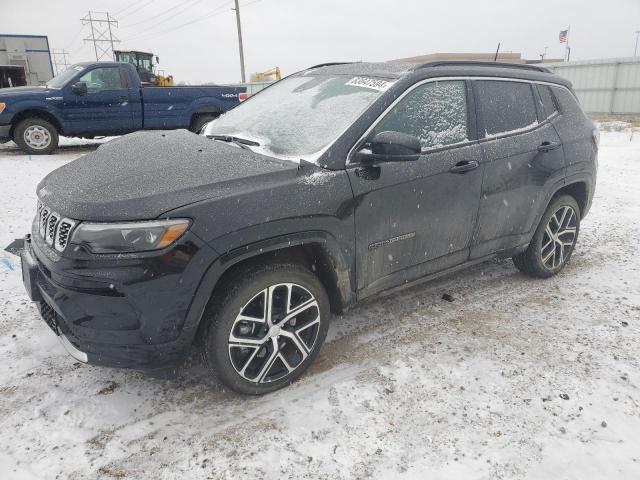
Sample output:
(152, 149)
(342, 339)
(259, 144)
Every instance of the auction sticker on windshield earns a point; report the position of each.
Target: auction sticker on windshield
(373, 83)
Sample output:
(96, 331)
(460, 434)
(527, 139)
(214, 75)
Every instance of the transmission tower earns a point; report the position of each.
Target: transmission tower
(101, 33)
(60, 60)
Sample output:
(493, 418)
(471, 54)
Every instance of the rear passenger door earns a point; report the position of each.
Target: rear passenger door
(524, 160)
(415, 218)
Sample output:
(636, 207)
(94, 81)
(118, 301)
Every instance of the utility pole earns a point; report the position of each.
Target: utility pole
(60, 60)
(635, 50)
(237, 9)
(101, 33)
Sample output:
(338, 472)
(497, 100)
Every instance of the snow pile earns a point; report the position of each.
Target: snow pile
(514, 378)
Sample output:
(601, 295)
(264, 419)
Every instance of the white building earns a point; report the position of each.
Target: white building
(24, 60)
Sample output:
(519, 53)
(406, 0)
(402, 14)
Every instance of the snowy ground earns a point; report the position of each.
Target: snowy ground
(516, 379)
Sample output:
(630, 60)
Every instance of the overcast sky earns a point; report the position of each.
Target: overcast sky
(196, 40)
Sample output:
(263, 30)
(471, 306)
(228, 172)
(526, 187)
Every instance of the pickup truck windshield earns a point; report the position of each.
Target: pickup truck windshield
(61, 79)
(300, 116)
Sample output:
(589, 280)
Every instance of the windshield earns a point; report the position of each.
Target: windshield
(300, 116)
(61, 79)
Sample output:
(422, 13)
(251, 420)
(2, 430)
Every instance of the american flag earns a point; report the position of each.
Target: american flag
(563, 36)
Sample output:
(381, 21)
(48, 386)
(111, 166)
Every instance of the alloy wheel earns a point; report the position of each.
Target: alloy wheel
(559, 237)
(274, 333)
(37, 137)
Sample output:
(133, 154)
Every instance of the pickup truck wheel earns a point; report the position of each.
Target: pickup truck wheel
(36, 136)
(554, 240)
(200, 121)
(266, 328)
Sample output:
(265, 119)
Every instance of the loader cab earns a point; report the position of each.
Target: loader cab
(143, 61)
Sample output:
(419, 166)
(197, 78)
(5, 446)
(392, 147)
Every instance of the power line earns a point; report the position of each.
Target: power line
(122, 10)
(140, 7)
(101, 33)
(145, 20)
(178, 27)
(162, 30)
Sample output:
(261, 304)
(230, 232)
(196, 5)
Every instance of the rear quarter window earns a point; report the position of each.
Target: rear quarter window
(549, 103)
(505, 106)
(567, 103)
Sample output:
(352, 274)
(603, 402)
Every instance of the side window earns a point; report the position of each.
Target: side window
(100, 79)
(548, 101)
(567, 102)
(505, 106)
(435, 113)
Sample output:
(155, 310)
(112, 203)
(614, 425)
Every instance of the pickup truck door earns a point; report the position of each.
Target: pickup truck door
(415, 218)
(107, 107)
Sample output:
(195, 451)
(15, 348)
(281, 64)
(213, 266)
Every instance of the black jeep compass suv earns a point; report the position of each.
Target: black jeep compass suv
(330, 186)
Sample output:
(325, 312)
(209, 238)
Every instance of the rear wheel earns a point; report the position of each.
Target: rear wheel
(36, 136)
(200, 121)
(554, 240)
(266, 328)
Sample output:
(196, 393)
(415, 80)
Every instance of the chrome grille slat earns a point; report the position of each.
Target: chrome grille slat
(54, 229)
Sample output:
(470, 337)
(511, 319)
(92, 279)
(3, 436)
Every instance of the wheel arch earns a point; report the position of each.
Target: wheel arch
(196, 115)
(35, 113)
(318, 251)
(579, 190)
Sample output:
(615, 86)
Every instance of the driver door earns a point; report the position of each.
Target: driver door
(414, 218)
(105, 108)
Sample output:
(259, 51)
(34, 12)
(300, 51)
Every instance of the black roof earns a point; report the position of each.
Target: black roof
(441, 68)
(103, 64)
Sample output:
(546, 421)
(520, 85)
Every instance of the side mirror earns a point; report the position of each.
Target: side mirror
(79, 88)
(390, 147)
(157, 59)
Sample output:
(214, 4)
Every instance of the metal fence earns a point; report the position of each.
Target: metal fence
(609, 86)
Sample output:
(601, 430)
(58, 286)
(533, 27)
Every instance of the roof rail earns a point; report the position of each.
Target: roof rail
(473, 63)
(329, 64)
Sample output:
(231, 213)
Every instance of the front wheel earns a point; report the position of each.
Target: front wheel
(36, 136)
(554, 240)
(266, 328)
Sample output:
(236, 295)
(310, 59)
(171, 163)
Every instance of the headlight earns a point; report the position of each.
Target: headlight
(129, 237)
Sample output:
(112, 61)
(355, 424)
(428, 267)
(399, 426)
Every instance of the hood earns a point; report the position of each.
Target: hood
(145, 174)
(16, 91)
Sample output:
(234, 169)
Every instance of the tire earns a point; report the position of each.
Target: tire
(36, 136)
(554, 240)
(265, 354)
(200, 121)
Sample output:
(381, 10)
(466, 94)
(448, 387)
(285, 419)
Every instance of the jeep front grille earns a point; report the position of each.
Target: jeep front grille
(53, 228)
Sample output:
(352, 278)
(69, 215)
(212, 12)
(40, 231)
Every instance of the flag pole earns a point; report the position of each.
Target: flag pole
(567, 47)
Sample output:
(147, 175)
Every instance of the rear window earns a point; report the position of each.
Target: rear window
(506, 106)
(548, 100)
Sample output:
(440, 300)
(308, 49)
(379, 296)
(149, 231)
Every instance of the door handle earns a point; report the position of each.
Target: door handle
(547, 147)
(123, 98)
(464, 166)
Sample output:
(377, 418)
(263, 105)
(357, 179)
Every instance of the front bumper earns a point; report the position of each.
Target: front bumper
(138, 321)
(30, 273)
(5, 133)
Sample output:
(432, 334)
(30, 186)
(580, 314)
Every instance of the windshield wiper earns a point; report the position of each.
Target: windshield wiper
(241, 142)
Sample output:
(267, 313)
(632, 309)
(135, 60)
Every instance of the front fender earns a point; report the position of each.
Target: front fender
(341, 263)
(48, 107)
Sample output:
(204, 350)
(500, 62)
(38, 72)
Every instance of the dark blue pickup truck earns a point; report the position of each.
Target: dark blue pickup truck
(106, 98)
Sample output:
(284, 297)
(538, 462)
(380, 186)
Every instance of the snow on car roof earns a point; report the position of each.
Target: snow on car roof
(400, 69)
